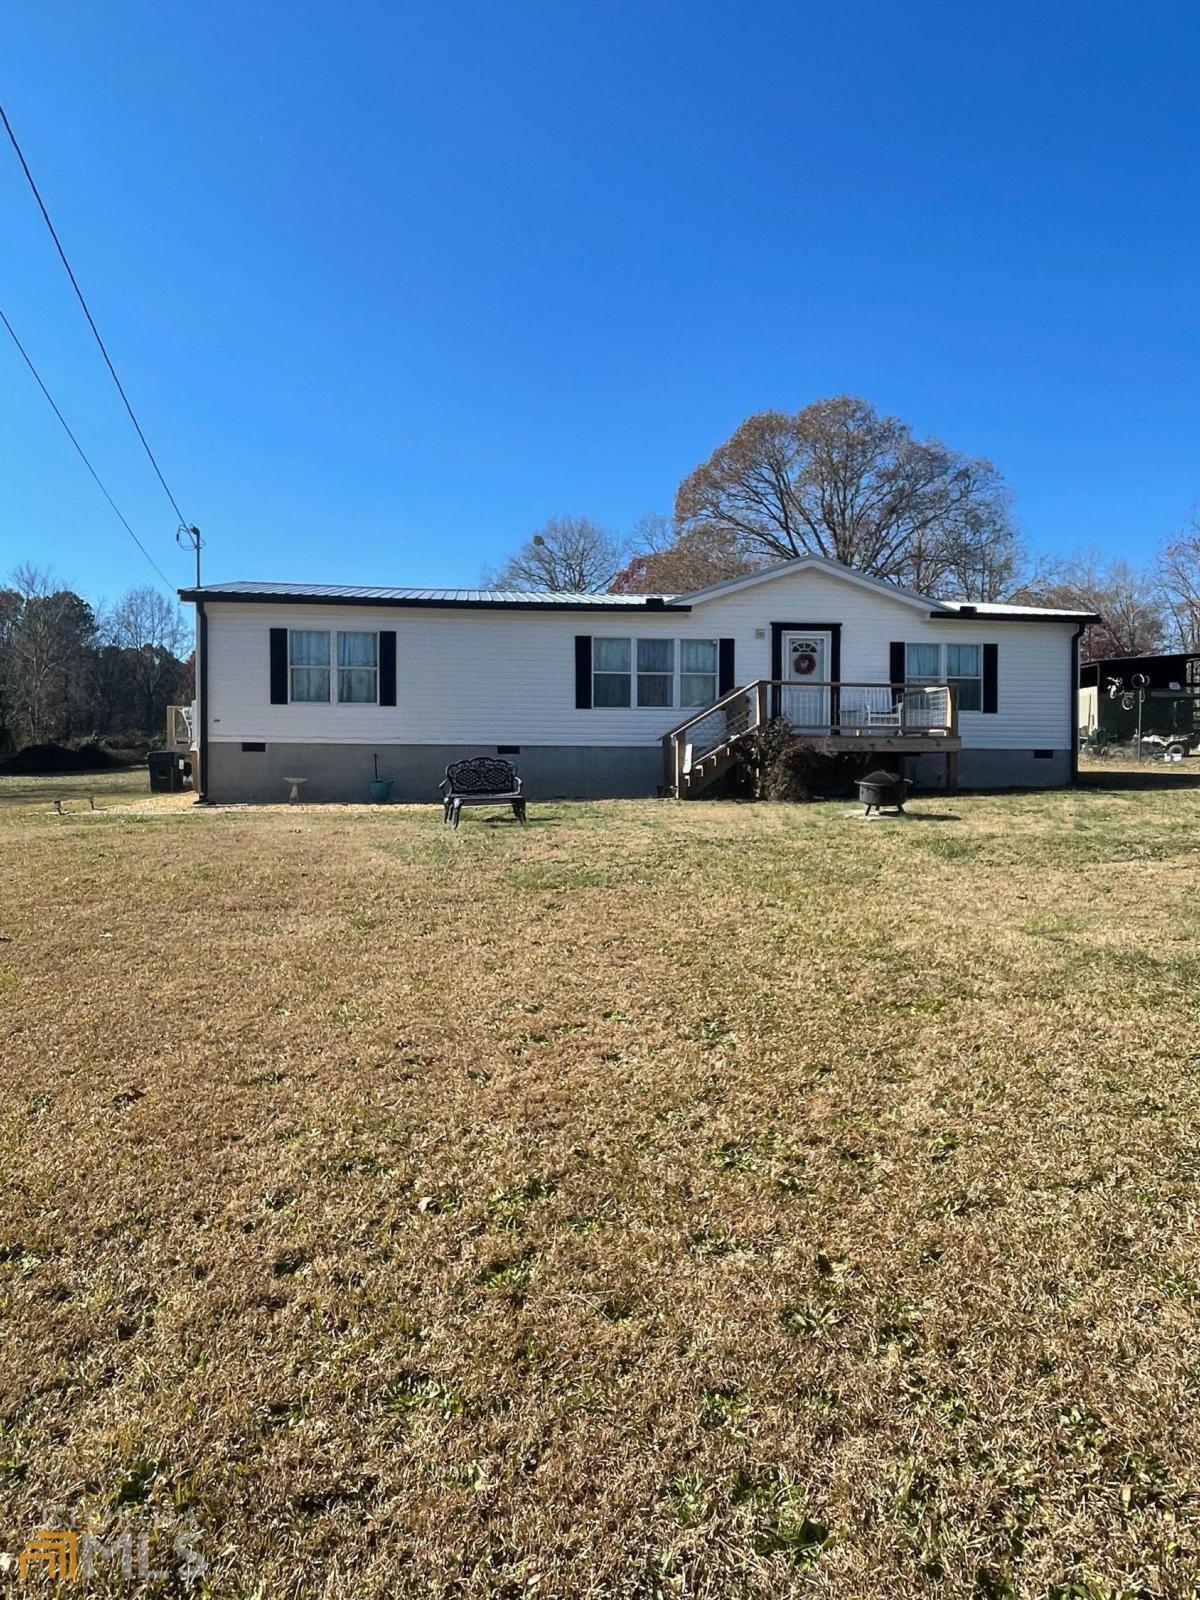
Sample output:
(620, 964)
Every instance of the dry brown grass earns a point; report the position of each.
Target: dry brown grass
(658, 1200)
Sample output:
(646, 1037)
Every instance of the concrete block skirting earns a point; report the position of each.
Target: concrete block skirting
(343, 772)
(995, 769)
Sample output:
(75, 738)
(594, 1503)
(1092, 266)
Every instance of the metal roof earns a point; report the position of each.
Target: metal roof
(353, 594)
(519, 600)
(999, 612)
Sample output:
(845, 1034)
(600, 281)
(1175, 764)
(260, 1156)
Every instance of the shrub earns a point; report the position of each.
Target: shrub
(37, 759)
(775, 765)
(802, 772)
(757, 755)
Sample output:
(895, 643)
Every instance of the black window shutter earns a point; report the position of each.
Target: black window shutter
(991, 655)
(387, 667)
(896, 669)
(279, 667)
(583, 672)
(725, 668)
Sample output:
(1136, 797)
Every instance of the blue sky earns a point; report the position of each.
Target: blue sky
(391, 284)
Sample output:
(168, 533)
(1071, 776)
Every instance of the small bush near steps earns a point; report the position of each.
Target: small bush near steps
(776, 765)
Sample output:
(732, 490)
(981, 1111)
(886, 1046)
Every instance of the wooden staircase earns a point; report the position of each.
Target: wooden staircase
(698, 751)
(699, 774)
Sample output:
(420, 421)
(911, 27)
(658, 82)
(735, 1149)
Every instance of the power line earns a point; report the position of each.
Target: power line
(82, 454)
(87, 313)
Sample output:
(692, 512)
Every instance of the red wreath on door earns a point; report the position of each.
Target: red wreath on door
(804, 665)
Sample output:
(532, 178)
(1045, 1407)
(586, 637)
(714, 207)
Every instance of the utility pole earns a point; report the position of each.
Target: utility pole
(189, 538)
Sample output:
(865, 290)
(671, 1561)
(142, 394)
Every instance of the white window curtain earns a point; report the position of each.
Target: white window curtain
(309, 662)
(698, 672)
(656, 672)
(611, 676)
(667, 671)
(923, 663)
(960, 665)
(358, 668)
(964, 669)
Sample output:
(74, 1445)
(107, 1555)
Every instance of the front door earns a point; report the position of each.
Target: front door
(804, 699)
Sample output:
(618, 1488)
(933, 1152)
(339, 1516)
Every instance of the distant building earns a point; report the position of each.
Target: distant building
(1170, 698)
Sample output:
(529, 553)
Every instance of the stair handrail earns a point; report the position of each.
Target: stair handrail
(674, 746)
(707, 711)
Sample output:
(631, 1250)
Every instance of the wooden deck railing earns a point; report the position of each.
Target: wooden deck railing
(819, 708)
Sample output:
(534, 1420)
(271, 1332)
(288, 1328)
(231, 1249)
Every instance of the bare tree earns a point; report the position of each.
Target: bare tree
(1126, 599)
(837, 479)
(975, 564)
(665, 563)
(652, 533)
(568, 555)
(152, 632)
(1177, 570)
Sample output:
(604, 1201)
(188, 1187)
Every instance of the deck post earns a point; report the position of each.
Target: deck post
(668, 754)
(760, 703)
(952, 755)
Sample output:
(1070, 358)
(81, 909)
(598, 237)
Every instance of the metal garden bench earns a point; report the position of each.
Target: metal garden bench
(480, 781)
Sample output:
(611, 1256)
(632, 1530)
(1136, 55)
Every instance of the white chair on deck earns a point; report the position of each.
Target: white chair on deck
(853, 709)
(884, 709)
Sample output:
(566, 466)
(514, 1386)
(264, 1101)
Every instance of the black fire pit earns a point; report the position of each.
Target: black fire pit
(879, 789)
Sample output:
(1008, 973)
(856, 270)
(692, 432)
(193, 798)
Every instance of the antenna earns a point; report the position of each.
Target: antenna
(1141, 683)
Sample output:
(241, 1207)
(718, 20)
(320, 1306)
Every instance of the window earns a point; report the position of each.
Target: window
(698, 672)
(957, 664)
(308, 660)
(964, 669)
(610, 672)
(358, 668)
(668, 672)
(923, 663)
(656, 672)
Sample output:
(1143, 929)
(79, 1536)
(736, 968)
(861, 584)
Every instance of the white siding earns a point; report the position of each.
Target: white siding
(508, 677)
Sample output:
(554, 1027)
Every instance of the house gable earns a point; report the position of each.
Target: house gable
(816, 565)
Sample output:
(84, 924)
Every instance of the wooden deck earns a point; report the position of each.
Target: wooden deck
(866, 719)
(908, 744)
(946, 745)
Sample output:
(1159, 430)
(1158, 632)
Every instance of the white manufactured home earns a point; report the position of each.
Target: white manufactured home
(594, 695)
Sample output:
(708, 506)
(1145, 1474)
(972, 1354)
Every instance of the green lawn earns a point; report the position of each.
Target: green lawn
(108, 787)
(704, 1199)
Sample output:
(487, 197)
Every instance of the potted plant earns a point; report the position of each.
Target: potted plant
(381, 788)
